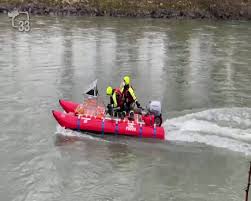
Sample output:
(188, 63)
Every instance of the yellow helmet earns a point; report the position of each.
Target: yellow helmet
(109, 91)
(127, 80)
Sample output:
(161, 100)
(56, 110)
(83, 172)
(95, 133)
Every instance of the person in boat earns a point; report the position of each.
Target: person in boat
(129, 97)
(115, 107)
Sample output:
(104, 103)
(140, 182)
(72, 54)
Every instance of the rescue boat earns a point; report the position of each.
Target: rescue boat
(90, 116)
(108, 125)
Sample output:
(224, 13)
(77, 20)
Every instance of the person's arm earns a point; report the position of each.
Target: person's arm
(132, 94)
(114, 98)
(134, 97)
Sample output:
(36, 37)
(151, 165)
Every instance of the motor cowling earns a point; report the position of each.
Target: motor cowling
(154, 108)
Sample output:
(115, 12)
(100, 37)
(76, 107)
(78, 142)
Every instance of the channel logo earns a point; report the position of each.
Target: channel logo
(20, 20)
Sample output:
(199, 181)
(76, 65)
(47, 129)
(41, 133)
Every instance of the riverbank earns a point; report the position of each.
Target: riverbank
(199, 9)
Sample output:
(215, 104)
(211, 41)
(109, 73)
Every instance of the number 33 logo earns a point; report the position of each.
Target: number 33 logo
(24, 25)
(21, 25)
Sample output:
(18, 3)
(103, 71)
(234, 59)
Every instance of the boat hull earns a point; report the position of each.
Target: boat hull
(68, 106)
(107, 125)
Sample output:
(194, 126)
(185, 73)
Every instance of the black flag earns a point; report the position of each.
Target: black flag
(92, 89)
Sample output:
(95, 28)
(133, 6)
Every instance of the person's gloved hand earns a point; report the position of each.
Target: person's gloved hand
(137, 103)
(109, 109)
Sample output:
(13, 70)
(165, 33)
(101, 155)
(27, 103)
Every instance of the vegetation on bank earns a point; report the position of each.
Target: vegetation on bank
(219, 9)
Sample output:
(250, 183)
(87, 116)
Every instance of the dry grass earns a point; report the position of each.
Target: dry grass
(143, 7)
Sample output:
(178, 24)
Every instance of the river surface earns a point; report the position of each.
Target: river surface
(201, 72)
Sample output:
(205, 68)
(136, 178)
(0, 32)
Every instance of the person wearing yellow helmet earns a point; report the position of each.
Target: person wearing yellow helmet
(109, 91)
(116, 102)
(128, 93)
(126, 80)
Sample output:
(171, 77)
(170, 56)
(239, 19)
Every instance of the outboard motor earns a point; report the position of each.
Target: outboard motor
(154, 108)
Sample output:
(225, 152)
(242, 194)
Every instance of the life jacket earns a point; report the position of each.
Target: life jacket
(127, 97)
(119, 97)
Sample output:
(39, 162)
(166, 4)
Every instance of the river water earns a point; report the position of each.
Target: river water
(201, 72)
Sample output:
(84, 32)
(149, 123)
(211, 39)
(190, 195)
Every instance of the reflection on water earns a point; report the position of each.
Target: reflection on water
(175, 62)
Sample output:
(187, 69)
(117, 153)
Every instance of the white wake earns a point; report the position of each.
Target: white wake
(71, 134)
(226, 127)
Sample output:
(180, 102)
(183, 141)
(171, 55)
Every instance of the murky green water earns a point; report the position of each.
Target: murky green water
(200, 70)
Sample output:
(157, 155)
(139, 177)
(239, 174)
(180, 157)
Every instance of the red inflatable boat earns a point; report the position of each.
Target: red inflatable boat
(93, 118)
